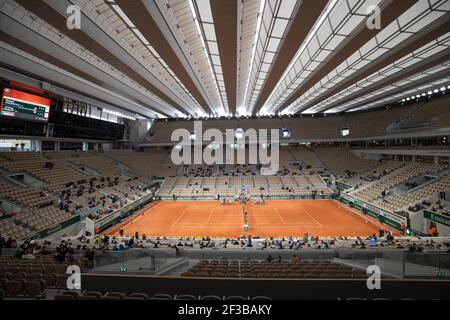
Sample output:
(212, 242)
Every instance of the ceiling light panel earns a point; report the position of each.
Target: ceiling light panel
(399, 84)
(49, 66)
(182, 19)
(398, 97)
(207, 35)
(112, 20)
(274, 19)
(388, 38)
(336, 23)
(248, 17)
(29, 20)
(439, 45)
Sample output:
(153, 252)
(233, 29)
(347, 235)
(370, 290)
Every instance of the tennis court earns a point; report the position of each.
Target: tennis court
(277, 218)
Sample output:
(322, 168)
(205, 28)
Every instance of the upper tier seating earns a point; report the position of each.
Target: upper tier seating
(307, 156)
(430, 116)
(57, 177)
(342, 162)
(100, 164)
(68, 154)
(376, 173)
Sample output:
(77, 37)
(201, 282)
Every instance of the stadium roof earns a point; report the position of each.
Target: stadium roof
(176, 58)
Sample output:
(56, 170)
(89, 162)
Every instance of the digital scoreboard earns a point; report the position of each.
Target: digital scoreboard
(22, 105)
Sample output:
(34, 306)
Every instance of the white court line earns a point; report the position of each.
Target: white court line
(210, 226)
(285, 226)
(176, 224)
(263, 215)
(179, 218)
(271, 226)
(276, 210)
(210, 214)
(290, 224)
(239, 226)
(192, 224)
(370, 219)
(318, 223)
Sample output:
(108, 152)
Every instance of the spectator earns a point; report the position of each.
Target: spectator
(249, 242)
(412, 248)
(2, 243)
(27, 255)
(390, 238)
(305, 238)
(11, 243)
(44, 251)
(402, 228)
(71, 256)
(106, 240)
(60, 204)
(60, 254)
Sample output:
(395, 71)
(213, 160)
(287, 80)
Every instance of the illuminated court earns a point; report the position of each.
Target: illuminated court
(281, 218)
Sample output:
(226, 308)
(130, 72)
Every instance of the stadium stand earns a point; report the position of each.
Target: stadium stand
(66, 191)
(377, 123)
(139, 162)
(224, 150)
(374, 191)
(341, 162)
(278, 186)
(273, 269)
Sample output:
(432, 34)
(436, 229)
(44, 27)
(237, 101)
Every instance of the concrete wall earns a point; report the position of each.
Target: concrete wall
(287, 289)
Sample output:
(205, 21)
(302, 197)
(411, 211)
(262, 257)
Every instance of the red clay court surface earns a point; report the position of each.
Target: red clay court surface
(277, 218)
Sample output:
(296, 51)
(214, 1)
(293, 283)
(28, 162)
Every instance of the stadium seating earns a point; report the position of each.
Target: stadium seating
(61, 180)
(431, 115)
(140, 163)
(373, 123)
(396, 202)
(376, 173)
(275, 186)
(139, 296)
(30, 278)
(369, 178)
(373, 192)
(341, 162)
(294, 269)
(229, 150)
